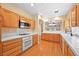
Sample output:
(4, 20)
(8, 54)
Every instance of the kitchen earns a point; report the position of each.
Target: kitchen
(36, 29)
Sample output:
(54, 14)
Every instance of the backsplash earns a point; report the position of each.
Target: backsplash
(7, 32)
(75, 30)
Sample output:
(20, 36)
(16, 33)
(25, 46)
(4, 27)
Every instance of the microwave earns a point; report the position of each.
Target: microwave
(23, 24)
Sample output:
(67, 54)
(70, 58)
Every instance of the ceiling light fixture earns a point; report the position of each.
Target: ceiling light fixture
(32, 4)
(56, 11)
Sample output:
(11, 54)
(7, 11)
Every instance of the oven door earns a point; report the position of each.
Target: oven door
(27, 42)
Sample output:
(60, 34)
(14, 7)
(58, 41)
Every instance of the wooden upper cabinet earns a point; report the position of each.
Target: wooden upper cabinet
(1, 18)
(22, 18)
(74, 16)
(14, 20)
(10, 19)
(6, 17)
(32, 23)
(77, 14)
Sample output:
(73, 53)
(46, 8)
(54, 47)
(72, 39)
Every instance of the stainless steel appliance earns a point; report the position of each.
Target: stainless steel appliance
(27, 42)
(23, 24)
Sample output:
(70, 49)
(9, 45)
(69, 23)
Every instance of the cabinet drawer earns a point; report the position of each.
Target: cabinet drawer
(5, 43)
(16, 53)
(11, 46)
(10, 52)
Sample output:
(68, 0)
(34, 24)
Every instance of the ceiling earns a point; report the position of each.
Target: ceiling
(46, 9)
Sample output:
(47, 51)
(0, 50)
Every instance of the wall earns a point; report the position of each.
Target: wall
(67, 21)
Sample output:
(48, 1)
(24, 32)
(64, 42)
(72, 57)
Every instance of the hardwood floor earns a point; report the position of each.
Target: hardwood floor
(45, 48)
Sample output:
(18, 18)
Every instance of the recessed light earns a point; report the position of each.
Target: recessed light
(32, 4)
(56, 11)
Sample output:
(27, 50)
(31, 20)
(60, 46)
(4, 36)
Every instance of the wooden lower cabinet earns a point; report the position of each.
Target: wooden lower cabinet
(12, 47)
(70, 52)
(13, 52)
(0, 49)
(51, 37)
(67, 50)
(35, 39)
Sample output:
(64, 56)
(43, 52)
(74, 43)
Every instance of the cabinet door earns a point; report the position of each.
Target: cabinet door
(70, 53)
(12, 47)
(13, 52)
(14, 20)
(0, 49)
(1, 22)
(1, 18)
(35, 39)
(10, 19)
(56, 37)
(6, 17)
(77, 14)
(65, 49)
(32, 22)
(74, 16)
(45, 36)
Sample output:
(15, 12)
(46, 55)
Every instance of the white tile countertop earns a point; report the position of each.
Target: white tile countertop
(14, 37)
